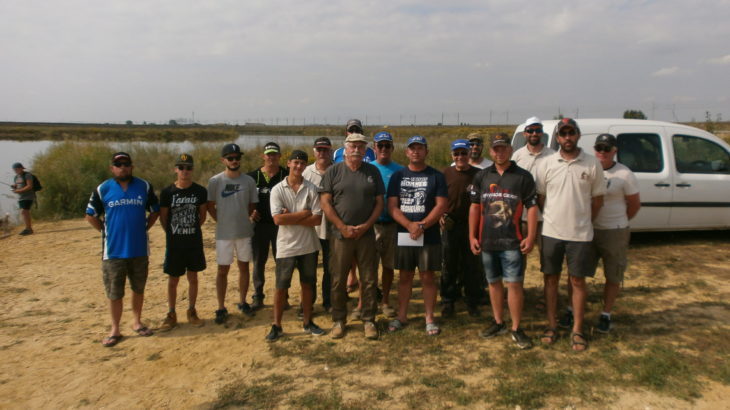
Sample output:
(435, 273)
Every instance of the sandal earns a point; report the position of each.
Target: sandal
(551, 334)
(143, 331)
(582, 341)
(395, 325)
(110, 341)
(432, 329)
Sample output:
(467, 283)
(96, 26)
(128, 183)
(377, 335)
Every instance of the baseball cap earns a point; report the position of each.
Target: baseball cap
(474, 136)
(353, 123)
(533, 121)
(231, 149)
(383, 136)
(272, 148)
(567, 122)
(605, 139)
(184, 159)
(322, 142)
(18, 165)
(457, 144)
(500, 139)
(119, 156)
(298, 154)
(416, 139)
(356, 138)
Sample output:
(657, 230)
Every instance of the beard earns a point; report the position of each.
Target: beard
(125, 178)
(534, 141)
(230, 168)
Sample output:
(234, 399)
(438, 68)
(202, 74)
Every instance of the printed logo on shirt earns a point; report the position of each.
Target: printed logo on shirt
(413, 194)
(126, 201)
(230, 189)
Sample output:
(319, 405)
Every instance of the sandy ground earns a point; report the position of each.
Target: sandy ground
(55, 314)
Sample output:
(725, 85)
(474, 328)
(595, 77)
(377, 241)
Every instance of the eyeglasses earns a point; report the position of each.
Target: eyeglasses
(234, 158)
(459, 153)
(566, 133)
(122, 164)
(533, 131)
(384, 145)
(603, 148)
(185, 167)
(475, 144)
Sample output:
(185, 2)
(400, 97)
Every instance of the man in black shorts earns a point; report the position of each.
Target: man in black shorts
(183, 206)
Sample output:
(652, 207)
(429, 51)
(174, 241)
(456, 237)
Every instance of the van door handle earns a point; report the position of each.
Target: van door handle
(661, 185)
(684, 185)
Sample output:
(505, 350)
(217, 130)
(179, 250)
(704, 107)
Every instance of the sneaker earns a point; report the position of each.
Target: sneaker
(355, 315)
(448, 309)
(474, 311)
(246, 309)
(313, 329)
(193, 318)
(566, 322)
(388, 311)
(26, 232)
(371, 331)
(338, 330)
(258, 303)
(523, 341)
(604, 324)
(493, 330)
(169, 323)
(221, 315)
(274, 333)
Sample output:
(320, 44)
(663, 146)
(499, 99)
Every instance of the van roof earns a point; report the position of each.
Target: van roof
(600, 125)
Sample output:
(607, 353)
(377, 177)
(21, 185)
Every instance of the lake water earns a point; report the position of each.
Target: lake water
(24, 152)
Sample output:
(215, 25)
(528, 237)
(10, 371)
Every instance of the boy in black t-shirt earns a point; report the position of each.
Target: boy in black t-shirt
(182, 213)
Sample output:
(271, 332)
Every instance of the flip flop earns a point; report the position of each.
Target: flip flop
(432, 329)
(110, 341)
(143, 331)
(395, 325)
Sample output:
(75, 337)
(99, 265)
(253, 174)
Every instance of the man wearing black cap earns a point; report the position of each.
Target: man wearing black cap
(232, 199)
(118, 209)
(270, 174)
(295, 208)
(183, 207)
(23, 186)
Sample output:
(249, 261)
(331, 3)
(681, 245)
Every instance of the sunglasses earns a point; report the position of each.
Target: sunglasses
(185, 167)
(322, 149)
(565, 133)
(122, 164)
(234, 158)
(475, 144)
(460, 153)
(533, 131)
(384, 145)
(603, 148)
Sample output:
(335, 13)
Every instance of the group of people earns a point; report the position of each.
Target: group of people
(476, 221)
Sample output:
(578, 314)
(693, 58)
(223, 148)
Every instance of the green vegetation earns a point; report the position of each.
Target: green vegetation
(636, 114)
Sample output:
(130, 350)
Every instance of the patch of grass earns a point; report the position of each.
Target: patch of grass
(38, 312)
(17, 290)
(266, 393)
(64, 300)
(154, 356)
(317, 400)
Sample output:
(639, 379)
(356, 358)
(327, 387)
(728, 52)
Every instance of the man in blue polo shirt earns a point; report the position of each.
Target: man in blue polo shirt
(118, 209)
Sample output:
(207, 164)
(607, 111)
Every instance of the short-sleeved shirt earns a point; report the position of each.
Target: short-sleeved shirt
(295, 240)
(264, 185)
(313, 175)
(529, 161)
(502, 200)
(458, 183)
(339, 155)
(21, 181)
(183, 222)
(568, 187)
(353, 192)
(620, 183)
(124, 213)
(386, 171)
(416, 192)
(232, 197)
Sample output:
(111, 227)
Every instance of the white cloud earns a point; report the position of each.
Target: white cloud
(665, 72)
(720, 60)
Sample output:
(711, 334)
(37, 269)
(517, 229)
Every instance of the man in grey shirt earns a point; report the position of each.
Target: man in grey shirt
(232, 199)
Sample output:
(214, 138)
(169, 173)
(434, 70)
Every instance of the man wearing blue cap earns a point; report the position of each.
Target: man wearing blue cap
(417, 197)
(460, 266)
(23, 186)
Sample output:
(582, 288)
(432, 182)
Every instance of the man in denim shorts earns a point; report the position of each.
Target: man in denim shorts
(499, 195)
(118, 209)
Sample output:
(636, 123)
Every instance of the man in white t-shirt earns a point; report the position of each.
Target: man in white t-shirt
(611, 227)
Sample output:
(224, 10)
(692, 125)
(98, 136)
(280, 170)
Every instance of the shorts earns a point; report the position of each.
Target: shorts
(503, 265)
(305, 264)
(385, 243)
(612, 245)
(425, 258)
(116, 271)
(179, 261)
(25, 203)
(578, 254)
(224, 250)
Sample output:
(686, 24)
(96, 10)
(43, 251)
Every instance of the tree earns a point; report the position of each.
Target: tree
(635, 114)
(129, 122)
(173, 123)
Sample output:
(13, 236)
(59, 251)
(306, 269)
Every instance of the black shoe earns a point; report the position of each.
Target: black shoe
(313, 329)
(474, 311)
(221, 315)
(275, 333)
(522, 340)
(566, 322)
(604, 324)
(493, 330)
(378, 294)
(448, 309)
(25, 232)
(258, 303)
(245, 308)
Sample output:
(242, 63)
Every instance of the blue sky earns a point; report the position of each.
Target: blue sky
(390, 61)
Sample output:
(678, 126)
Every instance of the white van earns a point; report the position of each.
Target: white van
(683, 172)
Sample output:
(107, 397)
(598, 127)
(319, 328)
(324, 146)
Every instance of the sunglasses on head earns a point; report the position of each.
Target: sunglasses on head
(533, 131)
(459, 153)
(603, 148)
(185, 167)
(564, 133)
(122, 164)
(234, 158)
(384, 145)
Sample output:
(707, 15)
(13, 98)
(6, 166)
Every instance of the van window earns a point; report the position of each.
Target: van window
(695, 155)
(640, 152)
